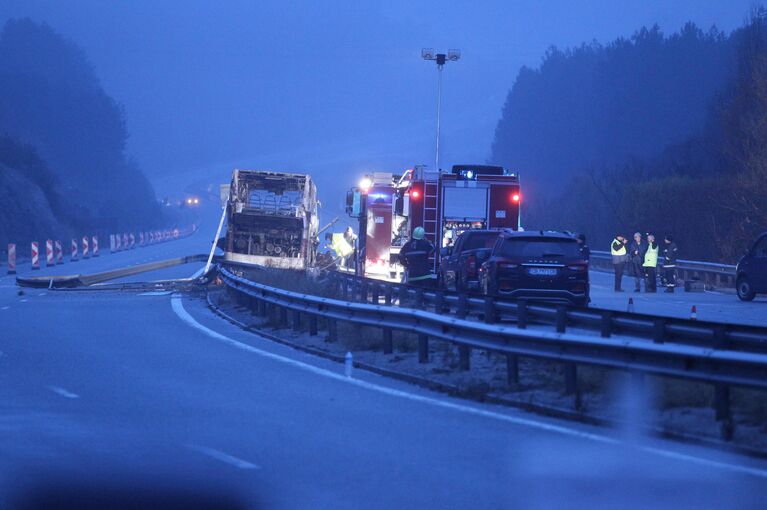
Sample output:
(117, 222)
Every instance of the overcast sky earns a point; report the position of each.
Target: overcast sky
(331, 88)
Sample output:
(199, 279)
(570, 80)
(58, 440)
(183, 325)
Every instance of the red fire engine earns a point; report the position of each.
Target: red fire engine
(444, 204)
(469, 196)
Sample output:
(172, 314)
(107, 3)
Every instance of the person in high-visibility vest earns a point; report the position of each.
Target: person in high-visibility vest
(415, 257)
(620, 257)
(651, 263)
(339, 245)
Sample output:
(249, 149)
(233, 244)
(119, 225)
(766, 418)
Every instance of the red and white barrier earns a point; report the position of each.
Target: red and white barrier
(73, 253)
(118, 242)
(86, 252)
(95, 245)
(132, 241)
(49, 260)
(59, 251)
(11, 258)
(126, 244)
(141, 239)
(35, 255)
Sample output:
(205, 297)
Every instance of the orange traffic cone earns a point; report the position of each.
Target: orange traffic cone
(630, 308)
(694, 313)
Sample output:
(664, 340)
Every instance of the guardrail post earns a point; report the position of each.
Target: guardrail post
(512, 369)
(561, 319)
(522, 314)
(332, 330)
(283, 316)
(571, 379)
(464, 357)
(388, 344)
(462, 310)
(418, 298)
(439, 301)
(296, 320)
(423, 348)
(387, 295)
(659, 330)
(312, 325)
(364, 292)
(607, 324)
(722, 391)
(375, 294)
(344, 289)
(489, 310)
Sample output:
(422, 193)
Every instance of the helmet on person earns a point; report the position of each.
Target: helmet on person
(418, 233)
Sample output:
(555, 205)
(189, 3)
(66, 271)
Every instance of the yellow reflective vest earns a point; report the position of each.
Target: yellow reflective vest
(651, 256)
(340, 245)
(620, 251)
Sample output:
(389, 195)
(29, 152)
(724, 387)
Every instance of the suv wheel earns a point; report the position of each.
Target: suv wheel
(745, 290)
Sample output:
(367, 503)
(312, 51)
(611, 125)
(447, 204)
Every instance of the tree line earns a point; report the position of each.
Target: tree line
(63, 165)
(652, 133)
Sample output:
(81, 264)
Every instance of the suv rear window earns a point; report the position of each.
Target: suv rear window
(539, 247)
(479, 241)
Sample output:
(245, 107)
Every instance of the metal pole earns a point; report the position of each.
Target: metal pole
(362, 235)
(439, 108)
(215, 241)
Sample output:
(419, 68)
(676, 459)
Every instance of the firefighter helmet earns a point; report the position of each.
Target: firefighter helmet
(418, 233)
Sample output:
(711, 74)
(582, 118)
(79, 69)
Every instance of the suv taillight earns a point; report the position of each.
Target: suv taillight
(508, 265)
(577, 267)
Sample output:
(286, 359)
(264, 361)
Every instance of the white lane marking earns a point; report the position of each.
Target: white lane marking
(64, 393)
(5, 308)
(182, 314)
(24, 300)
(156, 293)
(223, 457)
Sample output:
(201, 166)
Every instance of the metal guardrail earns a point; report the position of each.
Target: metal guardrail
(720, 367)
(603, 322)
(711, 274)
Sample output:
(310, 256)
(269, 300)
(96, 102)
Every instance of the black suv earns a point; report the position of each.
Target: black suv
(751, 272)
(459, 264)
(542, 266)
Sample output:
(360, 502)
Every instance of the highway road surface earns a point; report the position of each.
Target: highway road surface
(152, 389)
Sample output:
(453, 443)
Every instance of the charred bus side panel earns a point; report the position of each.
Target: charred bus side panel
(272, 219)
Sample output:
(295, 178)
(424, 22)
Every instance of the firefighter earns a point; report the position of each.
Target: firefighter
(415, 257)
(637, 251)
(651, 263)
(620, 256)
(669, 263)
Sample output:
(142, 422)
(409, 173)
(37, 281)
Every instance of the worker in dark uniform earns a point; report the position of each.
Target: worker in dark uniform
(620, 257)
(669, 263)
(585, 250)
(415, 257)
(637, 249)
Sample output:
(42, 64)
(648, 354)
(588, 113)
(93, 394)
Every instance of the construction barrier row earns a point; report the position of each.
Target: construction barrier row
(88, 246)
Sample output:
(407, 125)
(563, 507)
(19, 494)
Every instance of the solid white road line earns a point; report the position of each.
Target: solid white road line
(5, 308)
(64, 393)
(223, 457)
(181, 312)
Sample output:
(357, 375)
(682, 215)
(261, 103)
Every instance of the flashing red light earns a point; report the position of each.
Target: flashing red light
(415, 194)
(515, 197)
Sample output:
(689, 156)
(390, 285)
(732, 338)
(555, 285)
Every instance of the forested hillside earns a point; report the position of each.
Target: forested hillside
(662, 133)
(62, 142)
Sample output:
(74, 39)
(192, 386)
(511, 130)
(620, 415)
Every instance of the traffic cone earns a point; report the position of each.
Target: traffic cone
(694, 313)
(630, 308)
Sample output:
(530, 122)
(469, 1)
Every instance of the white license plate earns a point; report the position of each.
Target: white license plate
(542, 271)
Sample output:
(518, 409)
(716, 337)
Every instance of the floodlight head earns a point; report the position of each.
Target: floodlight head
(453, 55)
(427, 53)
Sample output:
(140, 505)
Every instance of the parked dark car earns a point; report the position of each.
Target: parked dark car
(459, 264)
(751, 272)
(540, 266)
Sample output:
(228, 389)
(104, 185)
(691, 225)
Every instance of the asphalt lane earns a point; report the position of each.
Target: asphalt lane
(94, 383)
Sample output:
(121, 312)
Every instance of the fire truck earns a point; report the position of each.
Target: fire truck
(444, 203)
